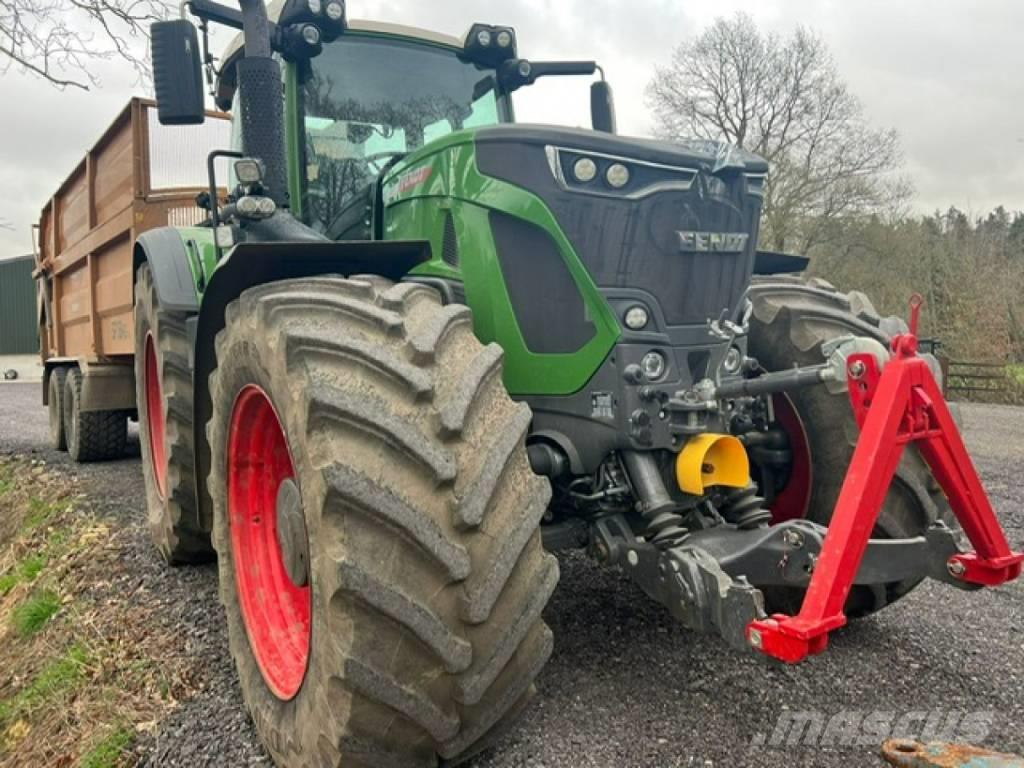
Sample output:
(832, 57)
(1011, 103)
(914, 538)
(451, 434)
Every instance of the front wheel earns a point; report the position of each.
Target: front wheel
(376, 523)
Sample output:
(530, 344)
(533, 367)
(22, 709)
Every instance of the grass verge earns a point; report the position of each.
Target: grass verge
(84, 668)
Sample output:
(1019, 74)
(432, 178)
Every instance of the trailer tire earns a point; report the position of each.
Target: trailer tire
(91, 435)
(383, 423)
(55, 407)
(163, 393)
(792, 317)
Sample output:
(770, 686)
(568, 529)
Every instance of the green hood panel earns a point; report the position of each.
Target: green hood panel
(442, 179)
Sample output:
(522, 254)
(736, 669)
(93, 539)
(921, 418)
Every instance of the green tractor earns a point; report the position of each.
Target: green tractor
(418, 347)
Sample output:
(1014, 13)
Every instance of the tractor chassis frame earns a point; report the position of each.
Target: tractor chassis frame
(707, 580)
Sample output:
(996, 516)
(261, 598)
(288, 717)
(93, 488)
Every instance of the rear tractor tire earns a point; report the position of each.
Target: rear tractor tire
(91, 435)
(376, 523)
(55, 408)
(791, 320)
(163, 392)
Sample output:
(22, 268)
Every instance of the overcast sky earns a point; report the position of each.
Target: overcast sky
(946, 74)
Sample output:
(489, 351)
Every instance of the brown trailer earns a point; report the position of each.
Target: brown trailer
(138, 176)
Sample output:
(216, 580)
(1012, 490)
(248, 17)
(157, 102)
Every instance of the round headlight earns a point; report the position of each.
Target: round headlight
(335, 11)
(311, 34)
(248, 205)
(636, 318)
(733, 360)
(504, 38)
(653, 365)
(483, 37)
(585, 169)
(314, 6)
(617, 175)
(267, 206)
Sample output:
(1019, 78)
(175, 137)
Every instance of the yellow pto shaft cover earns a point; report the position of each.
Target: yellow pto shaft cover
(712, 459)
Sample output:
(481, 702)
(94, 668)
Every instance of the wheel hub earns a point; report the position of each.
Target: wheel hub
(291, 533)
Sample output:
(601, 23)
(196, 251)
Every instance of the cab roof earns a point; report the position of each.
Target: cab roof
(226, 83)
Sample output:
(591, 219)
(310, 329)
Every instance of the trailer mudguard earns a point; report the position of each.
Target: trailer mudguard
(173, 278)
(251, 264)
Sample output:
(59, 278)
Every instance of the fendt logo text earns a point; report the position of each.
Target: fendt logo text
(713, 242)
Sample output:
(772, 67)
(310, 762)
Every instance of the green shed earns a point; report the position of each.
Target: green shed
(19, 333)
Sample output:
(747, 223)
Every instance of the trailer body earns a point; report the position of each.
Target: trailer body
(138, 176)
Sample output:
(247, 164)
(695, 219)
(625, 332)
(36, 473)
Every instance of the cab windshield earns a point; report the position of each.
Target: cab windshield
(367, 100)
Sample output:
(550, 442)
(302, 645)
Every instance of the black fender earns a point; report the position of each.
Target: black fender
(776, 263)
(252, 264)
(168, 262)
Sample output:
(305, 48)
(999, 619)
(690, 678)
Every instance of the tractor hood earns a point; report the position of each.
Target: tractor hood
(676, 222)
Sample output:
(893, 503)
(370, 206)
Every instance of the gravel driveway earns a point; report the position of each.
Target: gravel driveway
(626, 687)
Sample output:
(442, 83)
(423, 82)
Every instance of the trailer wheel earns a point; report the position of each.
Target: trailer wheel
(92, 435)
(377, 525)
(163, 392)
(55, 408)
(792, 318)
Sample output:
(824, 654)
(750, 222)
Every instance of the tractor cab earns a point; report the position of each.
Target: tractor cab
(357, 105)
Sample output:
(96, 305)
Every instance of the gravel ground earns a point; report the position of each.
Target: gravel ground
(626, 687)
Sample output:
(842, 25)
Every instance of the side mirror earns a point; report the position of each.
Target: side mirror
(602, 107)
(177, 72)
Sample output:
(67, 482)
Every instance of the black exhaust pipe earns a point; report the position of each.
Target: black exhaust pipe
(261, 102)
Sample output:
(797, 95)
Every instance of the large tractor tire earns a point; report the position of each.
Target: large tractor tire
(791, 320)
(91, 435)
(163, 392)
(376, 524)
(55, 408)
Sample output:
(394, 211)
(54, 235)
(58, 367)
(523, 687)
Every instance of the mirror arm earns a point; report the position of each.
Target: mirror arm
(215, 12)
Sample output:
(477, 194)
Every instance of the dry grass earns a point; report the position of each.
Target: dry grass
(83, 670)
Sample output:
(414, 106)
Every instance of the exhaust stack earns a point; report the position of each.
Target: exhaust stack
(260, 101)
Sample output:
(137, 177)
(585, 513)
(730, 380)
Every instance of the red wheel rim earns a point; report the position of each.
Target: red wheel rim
(155, 419)
(793, 501)
(276, 612)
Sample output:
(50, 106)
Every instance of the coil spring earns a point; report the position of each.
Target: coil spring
(744, 508)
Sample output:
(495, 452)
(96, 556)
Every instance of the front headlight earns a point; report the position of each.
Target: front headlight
(617, 176)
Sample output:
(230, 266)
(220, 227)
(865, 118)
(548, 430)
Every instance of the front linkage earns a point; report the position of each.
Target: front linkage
(706, 578)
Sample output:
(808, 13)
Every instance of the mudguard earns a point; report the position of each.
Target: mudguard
(169, 263)
(251, 264)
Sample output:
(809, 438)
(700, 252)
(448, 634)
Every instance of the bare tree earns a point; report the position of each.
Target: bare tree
(60, 40)
(783, 99)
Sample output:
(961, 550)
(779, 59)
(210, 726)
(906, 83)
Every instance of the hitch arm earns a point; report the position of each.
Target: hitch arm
(894, 406)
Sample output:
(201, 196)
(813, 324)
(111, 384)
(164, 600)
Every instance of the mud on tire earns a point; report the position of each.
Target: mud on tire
(427, 573)
(171, 510)
(792, 318)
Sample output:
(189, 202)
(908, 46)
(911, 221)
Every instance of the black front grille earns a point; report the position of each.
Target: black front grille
(693, 250)
(639, 244)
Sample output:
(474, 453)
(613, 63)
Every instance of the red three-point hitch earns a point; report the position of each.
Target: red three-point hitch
(894, 406)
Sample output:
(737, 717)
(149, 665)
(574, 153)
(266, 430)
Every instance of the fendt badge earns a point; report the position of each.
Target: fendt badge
(712, 242)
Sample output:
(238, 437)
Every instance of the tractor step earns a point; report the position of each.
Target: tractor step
(894, 406)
